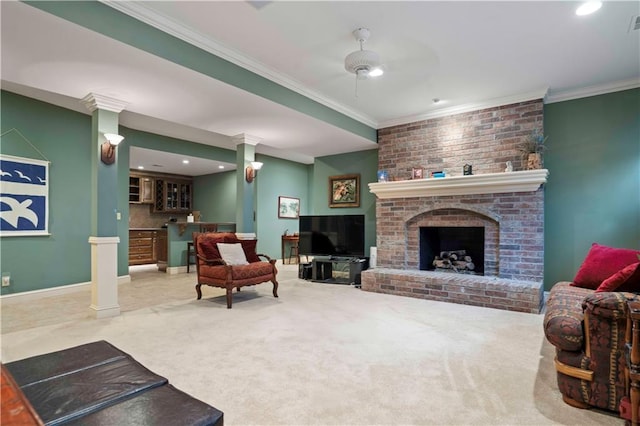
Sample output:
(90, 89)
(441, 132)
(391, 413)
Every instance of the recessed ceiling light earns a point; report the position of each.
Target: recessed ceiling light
(221, 167)
(588, 8)
(141, 167)
(185, 161)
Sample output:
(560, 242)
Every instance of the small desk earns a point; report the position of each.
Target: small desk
(293, 241)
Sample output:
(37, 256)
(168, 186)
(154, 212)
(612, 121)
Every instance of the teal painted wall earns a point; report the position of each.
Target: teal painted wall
(64, 257)
(593, 190)
(363, 162)
(215, 196)
(278, 178)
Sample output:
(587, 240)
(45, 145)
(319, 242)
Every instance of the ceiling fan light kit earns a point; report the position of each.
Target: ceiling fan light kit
(363, 63)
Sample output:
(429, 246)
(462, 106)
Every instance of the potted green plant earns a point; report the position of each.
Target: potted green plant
(531, 149)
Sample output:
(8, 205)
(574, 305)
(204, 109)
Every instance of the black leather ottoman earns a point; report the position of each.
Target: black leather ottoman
(99, 384)
(164, 405)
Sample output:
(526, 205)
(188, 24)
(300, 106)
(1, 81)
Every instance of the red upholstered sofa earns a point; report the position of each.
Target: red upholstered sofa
(587, 322)
(214, 271)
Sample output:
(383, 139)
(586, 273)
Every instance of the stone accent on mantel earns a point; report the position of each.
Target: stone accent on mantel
(489, 183)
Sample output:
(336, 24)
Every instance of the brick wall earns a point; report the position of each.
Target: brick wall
(513, 222)
(485, 138)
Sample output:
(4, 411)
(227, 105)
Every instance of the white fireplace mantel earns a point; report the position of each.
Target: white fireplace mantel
(489, 183)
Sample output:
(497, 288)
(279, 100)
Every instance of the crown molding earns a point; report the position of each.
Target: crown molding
(170, 26)
(246, 138)
(599, 89)
(94, 101)
(475, 106)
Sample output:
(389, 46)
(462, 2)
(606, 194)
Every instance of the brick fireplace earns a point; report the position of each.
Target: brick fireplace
(508, 206)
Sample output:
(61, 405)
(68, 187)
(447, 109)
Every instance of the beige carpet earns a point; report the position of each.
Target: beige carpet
(320, 354)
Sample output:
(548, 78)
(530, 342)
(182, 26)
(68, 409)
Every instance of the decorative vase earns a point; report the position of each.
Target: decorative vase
(534, 161)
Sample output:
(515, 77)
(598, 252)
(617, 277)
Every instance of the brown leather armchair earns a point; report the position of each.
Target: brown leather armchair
(213, 271)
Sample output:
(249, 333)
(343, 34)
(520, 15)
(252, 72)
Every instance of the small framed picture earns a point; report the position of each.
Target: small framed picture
(288, 207)
(344, 191)
(417, 173)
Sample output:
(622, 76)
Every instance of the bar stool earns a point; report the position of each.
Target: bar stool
(191, 253)
(293, 251)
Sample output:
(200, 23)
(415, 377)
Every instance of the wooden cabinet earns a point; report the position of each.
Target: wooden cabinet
(172, 195)
(140, 189)
(147, 246)
(141, 247)
(166, 193)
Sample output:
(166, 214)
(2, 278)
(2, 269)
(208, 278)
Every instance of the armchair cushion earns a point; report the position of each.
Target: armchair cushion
(251, 270)
(626, 279)
(600, 263)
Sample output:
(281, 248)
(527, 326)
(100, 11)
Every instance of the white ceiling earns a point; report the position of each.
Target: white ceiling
(468, 54)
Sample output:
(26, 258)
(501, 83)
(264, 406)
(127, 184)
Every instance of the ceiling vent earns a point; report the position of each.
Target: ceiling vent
(635, 23)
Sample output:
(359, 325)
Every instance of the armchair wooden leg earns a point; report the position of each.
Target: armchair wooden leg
(229, 297)
(275, 287)
(199, 291)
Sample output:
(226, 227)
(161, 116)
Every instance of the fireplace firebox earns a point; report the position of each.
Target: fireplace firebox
(456, 249)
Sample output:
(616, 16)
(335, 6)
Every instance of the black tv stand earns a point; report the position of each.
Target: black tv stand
(324, 269)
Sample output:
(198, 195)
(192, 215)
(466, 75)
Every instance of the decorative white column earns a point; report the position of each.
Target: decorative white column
(104, 276)
(104, 202)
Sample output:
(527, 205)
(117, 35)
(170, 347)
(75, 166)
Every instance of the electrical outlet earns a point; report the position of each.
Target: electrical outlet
(6, 280)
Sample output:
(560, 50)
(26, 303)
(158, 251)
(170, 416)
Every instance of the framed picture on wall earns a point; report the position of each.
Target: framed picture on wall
(288, 207)
(344, 191)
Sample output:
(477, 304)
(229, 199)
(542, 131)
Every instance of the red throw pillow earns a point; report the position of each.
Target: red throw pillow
(602, 262)
(208, 248)
(626, 279)
(249, 247)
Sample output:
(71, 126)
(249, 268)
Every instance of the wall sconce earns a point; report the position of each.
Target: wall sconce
(251, 172)
(108, 148)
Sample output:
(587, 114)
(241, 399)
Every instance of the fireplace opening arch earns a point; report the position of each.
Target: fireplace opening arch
(448, 217)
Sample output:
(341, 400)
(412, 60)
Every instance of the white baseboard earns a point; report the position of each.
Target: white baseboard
(173, 270)
(28, 296)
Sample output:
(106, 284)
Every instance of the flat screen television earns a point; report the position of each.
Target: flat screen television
(340, 235)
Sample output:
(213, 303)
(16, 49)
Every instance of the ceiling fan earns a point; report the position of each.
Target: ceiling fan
(363, 63)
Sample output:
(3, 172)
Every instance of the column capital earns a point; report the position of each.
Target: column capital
(246, 138)
(94, 101)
